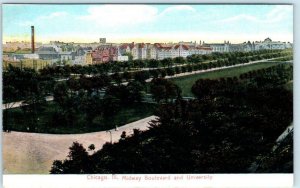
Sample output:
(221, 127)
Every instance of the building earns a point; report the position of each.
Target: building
(67, 56)
(142, 51)
(88, 58)
(200, 50)
(79, 60)
(105, 53)
(122, 58)
(91, 53)
(218, 47)
(23, 45)
(151, 51)
(179, 50)
(102, 40)
(268, 44)
(49, 52)
(242, 47)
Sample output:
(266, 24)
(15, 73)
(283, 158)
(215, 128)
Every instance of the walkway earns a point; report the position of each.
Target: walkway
(33, 153)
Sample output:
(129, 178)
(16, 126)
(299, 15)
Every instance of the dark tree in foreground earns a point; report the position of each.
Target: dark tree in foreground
(77, 162)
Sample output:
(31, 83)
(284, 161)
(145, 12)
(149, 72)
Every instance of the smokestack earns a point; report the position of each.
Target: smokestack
(32, 40)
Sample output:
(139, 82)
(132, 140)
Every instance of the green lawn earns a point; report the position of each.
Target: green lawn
(186, 82)
(285, 58)
(18, 121)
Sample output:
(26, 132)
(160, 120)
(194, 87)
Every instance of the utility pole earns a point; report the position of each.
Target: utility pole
(110, 136)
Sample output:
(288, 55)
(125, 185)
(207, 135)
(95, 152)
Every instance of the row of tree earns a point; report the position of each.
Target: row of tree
(113, 67)
(17, 82)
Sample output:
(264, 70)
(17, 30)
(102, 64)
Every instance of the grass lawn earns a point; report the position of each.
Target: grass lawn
(285, 58)
(186, 82)
(17, 121)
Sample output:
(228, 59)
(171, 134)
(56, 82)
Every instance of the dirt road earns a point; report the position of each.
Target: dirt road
(33, 153)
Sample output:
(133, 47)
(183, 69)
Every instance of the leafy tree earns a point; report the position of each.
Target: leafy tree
(179, 60)
(60, 93)
(130, 57)
(153, 63)
(167, 62)
(164, 89)
(177, 70)
(141, 76)
(170, 71)
(127, 75)
(135, 91)
(78, 161)
(110, 105)
(91, 147)
(117, 78)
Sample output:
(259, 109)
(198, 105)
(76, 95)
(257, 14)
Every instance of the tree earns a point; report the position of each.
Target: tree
(164, 89)
(130, 57)
(135, 91)
(163, 73)
(91, 147)
(177, 70)
(154, 73)
(117, 78)
(141, 76)
(167, 62)
(205, 88)
(170, 71)
(78, 161)
(110, 106)
(60, 93)
(127, 75)
(101, 81)
(73, 84)
(153, 63)
(179, 60)
(123, 135)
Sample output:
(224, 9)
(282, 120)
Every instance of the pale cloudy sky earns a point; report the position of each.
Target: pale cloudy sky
(148, 23)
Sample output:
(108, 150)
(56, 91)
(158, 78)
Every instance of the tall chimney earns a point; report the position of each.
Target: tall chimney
(32, 40)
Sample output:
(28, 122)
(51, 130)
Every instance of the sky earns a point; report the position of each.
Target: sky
(148, 23)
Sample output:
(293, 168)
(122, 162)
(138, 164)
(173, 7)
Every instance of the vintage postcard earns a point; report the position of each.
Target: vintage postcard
(148, 94)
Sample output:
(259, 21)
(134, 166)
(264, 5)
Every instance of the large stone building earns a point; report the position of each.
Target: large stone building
(271, 45)
(218, 47)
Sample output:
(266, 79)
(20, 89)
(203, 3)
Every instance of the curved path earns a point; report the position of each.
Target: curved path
(33, 153)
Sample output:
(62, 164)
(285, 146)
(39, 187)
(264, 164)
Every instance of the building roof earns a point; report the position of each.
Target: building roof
(203, 48)
(268, 40)
(141, 45)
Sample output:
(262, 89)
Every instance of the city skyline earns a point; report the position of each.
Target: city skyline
(148, 23)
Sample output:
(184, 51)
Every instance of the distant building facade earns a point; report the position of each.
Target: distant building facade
(92, 53)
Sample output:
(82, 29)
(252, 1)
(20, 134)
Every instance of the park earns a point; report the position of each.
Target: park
(177, 111)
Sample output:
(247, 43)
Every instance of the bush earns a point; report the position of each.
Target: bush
(177, 70)
(154, 73)
(141, 76)
(163, 73)
(189, 68)
(170, 71)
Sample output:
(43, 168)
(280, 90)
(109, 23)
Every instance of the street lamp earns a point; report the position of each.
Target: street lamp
(110, 136)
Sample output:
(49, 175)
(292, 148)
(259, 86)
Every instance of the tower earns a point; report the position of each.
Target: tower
(32, 40)
(102, 40)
